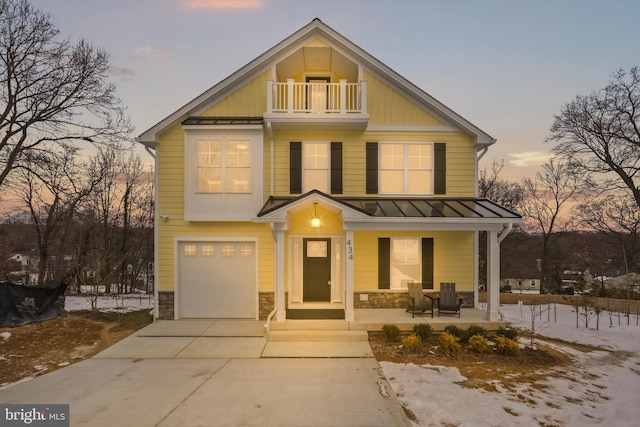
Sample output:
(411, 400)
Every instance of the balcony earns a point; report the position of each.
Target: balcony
(295, 105)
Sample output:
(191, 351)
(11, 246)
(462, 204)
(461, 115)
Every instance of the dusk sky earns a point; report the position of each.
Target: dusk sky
(507, 66)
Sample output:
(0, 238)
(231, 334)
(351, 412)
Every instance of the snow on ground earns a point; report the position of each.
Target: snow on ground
(600, 388)
(122, 303)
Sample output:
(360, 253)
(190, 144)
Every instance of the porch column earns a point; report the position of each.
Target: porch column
(348, 306)
(281, 314)
(493, 276)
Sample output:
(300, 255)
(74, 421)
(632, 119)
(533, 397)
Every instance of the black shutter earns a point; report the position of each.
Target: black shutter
(336, 168)
(440, 168)
(427, 263)
(295, 167)
(372, 167)
(384, 263)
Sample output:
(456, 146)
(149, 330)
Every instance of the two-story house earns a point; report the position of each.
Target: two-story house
(317, 177)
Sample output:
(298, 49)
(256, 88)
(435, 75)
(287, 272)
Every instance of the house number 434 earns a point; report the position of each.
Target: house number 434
(349, 250)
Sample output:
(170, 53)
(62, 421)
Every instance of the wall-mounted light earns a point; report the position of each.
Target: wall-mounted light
(315, 220)
(164, 218)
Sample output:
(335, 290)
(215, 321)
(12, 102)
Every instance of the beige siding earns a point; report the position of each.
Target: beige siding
(453, 257)
(388, 107)
(453, 250)
(248, 101)
(460, 157)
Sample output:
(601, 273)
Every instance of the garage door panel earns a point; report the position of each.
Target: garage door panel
(217, 280)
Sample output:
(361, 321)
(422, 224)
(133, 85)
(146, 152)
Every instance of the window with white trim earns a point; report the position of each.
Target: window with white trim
(406, 168)
(224, 165)
(315, 163)
(406, 265)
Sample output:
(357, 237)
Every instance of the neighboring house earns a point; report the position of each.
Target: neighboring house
(521, 285)
(316, 176)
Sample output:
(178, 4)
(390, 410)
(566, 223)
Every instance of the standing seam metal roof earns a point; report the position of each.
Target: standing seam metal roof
(379, 207)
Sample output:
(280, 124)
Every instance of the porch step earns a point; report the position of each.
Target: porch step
(317, 336)
(319, 313)
(310, 325)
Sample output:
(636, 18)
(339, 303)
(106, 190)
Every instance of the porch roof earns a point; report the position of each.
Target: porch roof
(404, 207)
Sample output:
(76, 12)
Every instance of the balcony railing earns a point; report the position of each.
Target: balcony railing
(293, 97)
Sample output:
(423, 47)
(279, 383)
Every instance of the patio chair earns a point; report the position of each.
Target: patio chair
(418, 301)
(449, 301)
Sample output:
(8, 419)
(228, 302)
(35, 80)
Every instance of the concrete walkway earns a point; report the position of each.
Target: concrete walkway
(219, 373)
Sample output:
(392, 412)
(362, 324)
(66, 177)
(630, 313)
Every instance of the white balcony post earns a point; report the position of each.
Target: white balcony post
(363, 96)
(290, 89)
(269, 96)
(343, 96)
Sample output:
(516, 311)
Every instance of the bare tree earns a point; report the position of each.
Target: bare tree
(600, 133)
(50, 188)
(51, 91)
(508, 194)
(617, 217)
(492, 186)
(546, 200)
(115, 222)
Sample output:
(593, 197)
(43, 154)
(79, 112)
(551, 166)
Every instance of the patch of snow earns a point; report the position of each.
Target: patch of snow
(599, 389)
(5, 335)
(118, 303)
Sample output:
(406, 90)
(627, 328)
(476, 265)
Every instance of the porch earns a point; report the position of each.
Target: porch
(372, 319)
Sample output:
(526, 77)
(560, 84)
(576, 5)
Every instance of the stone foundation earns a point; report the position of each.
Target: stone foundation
(374, 299)
(396, 299)
(166, 305)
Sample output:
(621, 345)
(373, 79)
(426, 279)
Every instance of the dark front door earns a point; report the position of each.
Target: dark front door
(316, 270)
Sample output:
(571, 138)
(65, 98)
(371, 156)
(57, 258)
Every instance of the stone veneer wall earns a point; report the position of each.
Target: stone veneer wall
(385, 299)
(396, 299)
(165, 305)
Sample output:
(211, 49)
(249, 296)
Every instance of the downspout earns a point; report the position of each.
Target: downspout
(272, 160)
(476, 269)
(275, 293)
(482, 153)
(505, 232)
(152, 151)
(272, 175)
(501, 236)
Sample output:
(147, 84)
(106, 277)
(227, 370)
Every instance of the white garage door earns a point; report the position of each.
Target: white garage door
(217, 280)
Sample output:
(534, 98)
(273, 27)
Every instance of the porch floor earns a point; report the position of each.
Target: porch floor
(372, 319)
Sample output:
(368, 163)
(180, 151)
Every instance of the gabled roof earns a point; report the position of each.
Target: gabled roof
(316, 29)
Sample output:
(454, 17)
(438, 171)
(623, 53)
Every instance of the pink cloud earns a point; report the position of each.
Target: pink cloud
(223, 4)
(145, 52)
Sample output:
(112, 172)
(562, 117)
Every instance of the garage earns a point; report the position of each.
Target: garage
(217, 279)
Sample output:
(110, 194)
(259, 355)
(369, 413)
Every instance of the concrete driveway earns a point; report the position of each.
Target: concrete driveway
(219, 373)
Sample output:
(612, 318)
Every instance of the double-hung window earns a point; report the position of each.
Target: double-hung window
(405, 261)
(316, 166)
(224, 166)
(406, 168)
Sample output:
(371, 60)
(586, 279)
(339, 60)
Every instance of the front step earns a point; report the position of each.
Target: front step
(317, 336)
(310, 325)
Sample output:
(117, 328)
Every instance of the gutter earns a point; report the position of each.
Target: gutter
(505, 232)
(151, 148)
(272, 157)
(267, 325)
